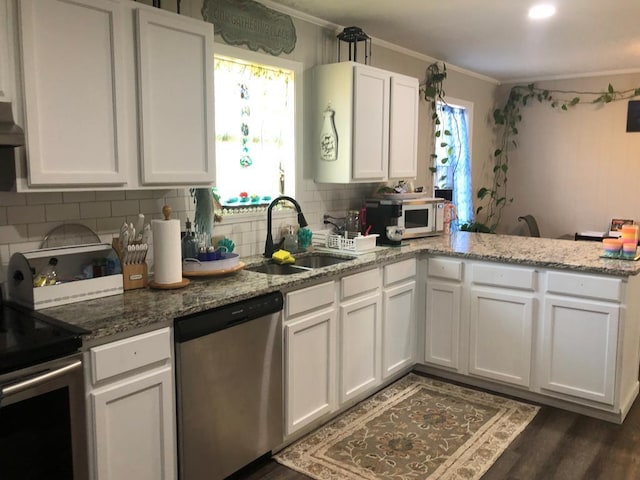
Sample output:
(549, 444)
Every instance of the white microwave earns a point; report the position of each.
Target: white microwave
(422, 217)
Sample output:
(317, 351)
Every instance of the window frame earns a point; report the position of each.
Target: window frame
(293, 182)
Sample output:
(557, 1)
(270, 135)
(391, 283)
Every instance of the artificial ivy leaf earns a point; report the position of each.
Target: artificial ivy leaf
(433, 155)
(432, 169)
(479, 209)
(575, 101)
(482, 192)
(501, 200)
(504, 168)
(610, 89)
(496, 168)
(437, 134)
(447, 132)
(444, 160)
(444, 144)
(497, 152)
(564, 107)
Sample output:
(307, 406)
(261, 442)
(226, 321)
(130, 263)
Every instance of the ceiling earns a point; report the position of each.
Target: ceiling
(495, 37)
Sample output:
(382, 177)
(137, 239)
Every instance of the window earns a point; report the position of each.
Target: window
(455, 172)
(255, 130)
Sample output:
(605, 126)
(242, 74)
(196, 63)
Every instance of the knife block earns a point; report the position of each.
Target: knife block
(134, 275)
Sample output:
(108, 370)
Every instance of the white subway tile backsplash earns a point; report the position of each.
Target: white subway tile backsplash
(95, 209)
(110, 224)
(9, 198)
(88, 196)
(138, 194)
(43, 198)
(58, 212)
(25, 214)
(125, 207)
(110, 195)
(13, 233)
(26, 218)
(152, 206)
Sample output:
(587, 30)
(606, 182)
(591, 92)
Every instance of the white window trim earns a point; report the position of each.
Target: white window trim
(297, 68)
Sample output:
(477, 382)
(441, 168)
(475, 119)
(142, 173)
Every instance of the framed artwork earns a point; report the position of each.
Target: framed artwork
(617, 223)
(633, 116)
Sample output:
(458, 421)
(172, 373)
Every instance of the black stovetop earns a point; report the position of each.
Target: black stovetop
(28, 337)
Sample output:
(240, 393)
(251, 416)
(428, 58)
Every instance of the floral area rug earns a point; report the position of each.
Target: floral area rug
(417, 428)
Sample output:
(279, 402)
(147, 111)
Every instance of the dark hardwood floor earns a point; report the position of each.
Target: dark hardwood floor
(556, 445)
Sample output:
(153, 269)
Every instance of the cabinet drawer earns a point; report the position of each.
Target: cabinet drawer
(582, 285)
(399, 271)
(444, 268)
(500, 276)
(308, 299)
(128, 354)
(360, 283)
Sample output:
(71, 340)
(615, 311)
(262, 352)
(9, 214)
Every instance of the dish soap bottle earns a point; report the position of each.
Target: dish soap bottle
(290, 241)
(48, 275)
(189, 243)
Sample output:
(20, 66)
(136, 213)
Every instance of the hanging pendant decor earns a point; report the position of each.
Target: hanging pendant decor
(328, 137)
(245, 159)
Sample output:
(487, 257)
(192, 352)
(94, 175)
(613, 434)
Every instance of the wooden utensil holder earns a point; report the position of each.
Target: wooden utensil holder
(134, 275)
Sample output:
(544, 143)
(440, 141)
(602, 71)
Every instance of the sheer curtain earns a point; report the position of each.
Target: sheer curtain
(456, 173)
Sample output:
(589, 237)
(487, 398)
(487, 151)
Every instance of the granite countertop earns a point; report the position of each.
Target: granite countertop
(141, 310)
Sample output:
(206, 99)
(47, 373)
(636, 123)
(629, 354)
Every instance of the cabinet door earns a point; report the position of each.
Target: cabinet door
(403, 127)
(398, 328)
(134, 429)
(360, 346)
(73, 87)
(442, 332)
(310, 365)
(579, 348)
(175, 91)
(370, 123)
(500, 335)
(6, 69)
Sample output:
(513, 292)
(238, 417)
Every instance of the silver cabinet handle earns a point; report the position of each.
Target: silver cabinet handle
(45, 377)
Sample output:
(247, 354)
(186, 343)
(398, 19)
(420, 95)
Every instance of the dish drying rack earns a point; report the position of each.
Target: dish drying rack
(355, 244)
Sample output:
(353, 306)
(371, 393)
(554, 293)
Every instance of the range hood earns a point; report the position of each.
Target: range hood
(11, 135)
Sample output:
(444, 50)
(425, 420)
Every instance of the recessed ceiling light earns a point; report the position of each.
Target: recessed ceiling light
(542, 10)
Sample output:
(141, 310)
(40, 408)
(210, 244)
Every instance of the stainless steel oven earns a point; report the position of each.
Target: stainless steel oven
(42, 414)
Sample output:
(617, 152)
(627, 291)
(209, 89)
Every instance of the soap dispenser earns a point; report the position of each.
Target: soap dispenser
(291, 241)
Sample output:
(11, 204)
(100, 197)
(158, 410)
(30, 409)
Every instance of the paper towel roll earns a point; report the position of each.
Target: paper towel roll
(167, 255)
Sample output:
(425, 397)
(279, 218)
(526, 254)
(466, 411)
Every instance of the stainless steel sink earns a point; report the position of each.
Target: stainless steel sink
(319, 260)
(303, 263)
(271, 268)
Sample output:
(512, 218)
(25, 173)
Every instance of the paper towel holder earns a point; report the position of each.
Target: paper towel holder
(166, 211)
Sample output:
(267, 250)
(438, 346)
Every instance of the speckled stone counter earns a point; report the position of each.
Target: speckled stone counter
(136, 311)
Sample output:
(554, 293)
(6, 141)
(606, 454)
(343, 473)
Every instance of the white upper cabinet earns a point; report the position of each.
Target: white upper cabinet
(175, 92)
(6, 89)
(403, 127)
(116, 95)
(364, 124)
(74, 91)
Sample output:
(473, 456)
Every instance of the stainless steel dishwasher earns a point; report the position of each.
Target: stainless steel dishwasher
(229, 386)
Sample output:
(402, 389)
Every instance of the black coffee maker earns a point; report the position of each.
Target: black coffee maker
(383, 213)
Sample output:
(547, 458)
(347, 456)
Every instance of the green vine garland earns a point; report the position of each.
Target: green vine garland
(506, 119)
(432, 91)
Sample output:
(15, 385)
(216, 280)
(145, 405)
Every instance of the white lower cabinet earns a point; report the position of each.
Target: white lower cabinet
(130, 400)
(560, 335)
(310, 355)
(360, 334)
(579, 348)
(500, 326)
(398, 319)
(443, 313)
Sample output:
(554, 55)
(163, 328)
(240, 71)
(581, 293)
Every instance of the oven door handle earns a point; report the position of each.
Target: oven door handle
(45, 377)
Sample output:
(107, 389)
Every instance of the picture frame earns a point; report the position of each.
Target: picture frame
(617, 223)
(633, 116)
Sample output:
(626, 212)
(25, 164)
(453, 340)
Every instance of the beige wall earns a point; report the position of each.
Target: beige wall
(575, 170)
(25, 216)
